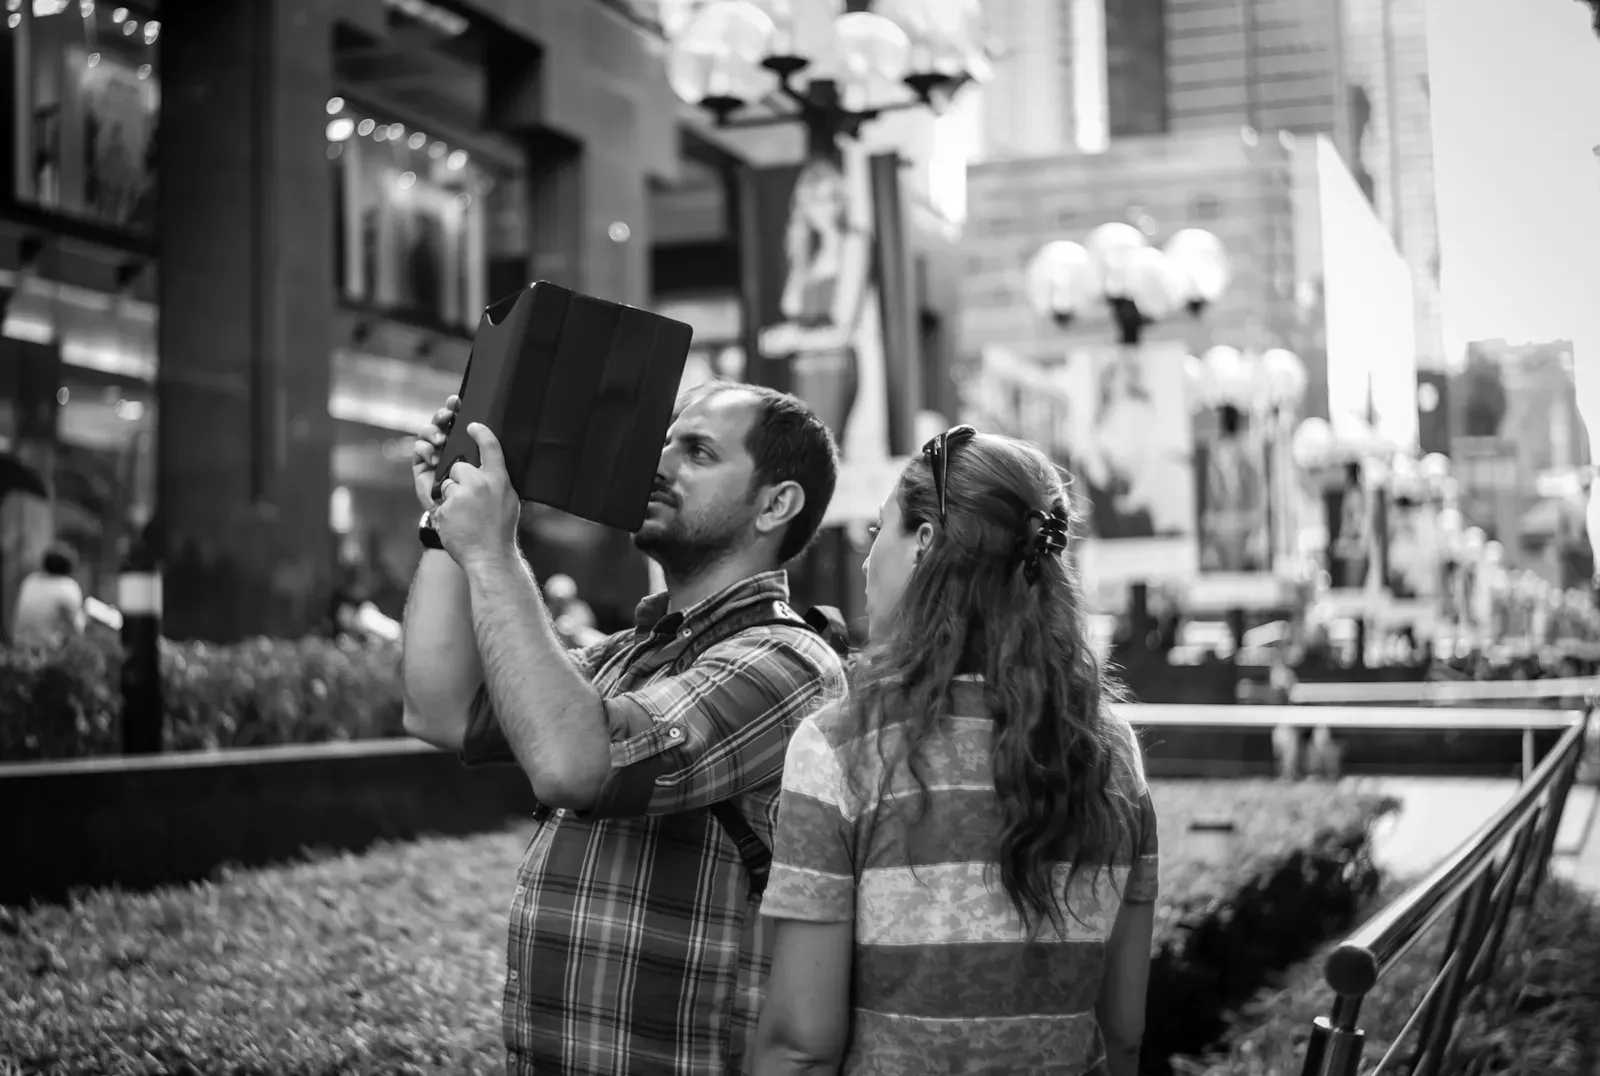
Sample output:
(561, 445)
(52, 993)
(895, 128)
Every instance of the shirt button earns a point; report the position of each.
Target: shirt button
(675, 733)
(685, 633)
(521, 889)
(513, 976)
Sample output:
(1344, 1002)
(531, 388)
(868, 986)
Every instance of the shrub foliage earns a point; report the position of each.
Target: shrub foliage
(65, 702)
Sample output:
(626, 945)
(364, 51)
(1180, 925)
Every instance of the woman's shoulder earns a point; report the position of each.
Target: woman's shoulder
(835, 723)
(1129, 758)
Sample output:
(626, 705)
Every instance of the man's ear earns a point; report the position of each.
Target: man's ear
(780, 503)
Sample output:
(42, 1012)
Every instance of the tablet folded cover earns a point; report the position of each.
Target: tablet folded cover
(580, 392)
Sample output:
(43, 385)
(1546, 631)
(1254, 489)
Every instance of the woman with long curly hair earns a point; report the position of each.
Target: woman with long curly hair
(964, 868)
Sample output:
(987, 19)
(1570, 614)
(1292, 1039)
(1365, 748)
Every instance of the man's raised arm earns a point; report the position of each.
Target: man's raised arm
(537, 701)
(440, 665)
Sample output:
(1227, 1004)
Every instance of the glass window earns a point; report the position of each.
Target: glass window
(104, 479)
(85, 125)
(410, 209)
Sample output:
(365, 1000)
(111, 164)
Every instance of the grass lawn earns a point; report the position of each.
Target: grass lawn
(392, 961)
(1538, 1015)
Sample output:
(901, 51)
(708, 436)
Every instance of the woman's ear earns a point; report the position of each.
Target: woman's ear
(924, 539)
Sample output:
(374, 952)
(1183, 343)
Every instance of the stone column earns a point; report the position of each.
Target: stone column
(247, 301)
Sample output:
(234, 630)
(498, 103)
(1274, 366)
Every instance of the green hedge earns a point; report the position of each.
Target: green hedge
(393, 961)
(1539, 1012)
(1301, 870)
(65, 702)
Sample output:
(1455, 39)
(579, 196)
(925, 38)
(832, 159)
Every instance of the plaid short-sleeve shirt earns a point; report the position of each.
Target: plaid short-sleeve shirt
(635, 946)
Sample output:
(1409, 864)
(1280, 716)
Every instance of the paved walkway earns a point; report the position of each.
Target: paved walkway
(1439, 814)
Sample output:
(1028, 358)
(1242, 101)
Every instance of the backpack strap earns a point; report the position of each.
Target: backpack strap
(753, 852)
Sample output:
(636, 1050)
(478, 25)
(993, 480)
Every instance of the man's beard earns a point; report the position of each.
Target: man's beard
(686, 552)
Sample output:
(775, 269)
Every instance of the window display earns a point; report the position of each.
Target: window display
(410, 212)
(85, 133)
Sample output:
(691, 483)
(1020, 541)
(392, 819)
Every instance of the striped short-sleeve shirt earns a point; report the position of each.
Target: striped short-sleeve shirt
(946, 979)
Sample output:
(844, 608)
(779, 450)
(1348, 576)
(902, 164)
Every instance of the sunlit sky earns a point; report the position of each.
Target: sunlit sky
(1516, 114)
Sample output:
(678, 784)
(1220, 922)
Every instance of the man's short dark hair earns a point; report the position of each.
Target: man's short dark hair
(788, 443)
(58, 561)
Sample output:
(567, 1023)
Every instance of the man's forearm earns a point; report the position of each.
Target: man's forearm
(551, 716)
(440, 665)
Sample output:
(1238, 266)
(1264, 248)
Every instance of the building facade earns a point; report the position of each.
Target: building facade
(1314, 271)
(223, 322)
(1355, 71)
(1525, 461)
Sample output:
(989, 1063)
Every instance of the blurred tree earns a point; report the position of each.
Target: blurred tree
(1482, 393)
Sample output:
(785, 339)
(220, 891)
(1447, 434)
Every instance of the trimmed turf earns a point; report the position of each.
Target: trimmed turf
(392, 961)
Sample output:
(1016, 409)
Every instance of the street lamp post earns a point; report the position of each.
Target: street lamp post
(848, 295)
(730, 56)
(1140, 285)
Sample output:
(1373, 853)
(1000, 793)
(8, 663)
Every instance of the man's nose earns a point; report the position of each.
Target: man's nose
(668, 467)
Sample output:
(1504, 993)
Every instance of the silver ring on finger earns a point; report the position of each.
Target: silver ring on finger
(446, 486)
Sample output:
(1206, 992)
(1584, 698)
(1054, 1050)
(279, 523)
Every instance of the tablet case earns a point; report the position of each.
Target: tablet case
(580, 392)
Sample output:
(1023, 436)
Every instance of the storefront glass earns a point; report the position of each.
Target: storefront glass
(104, 481)
(84, 126)
(410, 209)
(77, 419)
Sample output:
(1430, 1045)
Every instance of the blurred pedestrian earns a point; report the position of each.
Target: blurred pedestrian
(965, 865)
(655, 754)
(49, 602)
(573, 618)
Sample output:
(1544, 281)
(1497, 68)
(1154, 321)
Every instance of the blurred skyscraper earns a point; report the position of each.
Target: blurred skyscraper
(1076, 72)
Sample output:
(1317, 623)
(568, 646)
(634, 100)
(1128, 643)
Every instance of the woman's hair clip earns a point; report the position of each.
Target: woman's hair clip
(1046, 537)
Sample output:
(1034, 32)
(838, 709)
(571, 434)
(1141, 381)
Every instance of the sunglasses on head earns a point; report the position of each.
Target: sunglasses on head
(937, 453)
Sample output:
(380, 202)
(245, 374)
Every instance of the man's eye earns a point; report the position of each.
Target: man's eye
(872, 531)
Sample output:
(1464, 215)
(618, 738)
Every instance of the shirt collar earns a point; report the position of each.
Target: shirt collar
(651, 616)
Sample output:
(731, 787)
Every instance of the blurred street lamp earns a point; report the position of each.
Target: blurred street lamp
(1141, 284)
(729, 55)
(1269, 383)
(1116, 266)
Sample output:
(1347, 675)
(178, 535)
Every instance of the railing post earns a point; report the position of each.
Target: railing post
(1336, 1042)
(1344, 1040)
(139, 598)
(1317, 1047)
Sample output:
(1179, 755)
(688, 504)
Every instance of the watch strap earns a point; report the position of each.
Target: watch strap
(428, 534)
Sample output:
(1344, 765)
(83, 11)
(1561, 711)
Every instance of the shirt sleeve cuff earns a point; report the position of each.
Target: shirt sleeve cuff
(641, 752)
(812, 896)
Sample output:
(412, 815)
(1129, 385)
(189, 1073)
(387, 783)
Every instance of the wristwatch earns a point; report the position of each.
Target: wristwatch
(427, 533)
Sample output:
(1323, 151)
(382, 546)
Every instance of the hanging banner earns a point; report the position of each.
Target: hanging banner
(1234, 495)
(1130, 440)
(1349, 511)
(813, 286)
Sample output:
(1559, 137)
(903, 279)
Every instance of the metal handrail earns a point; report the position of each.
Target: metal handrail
(1353, 718)
(1441, 691)
(1495, 871)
